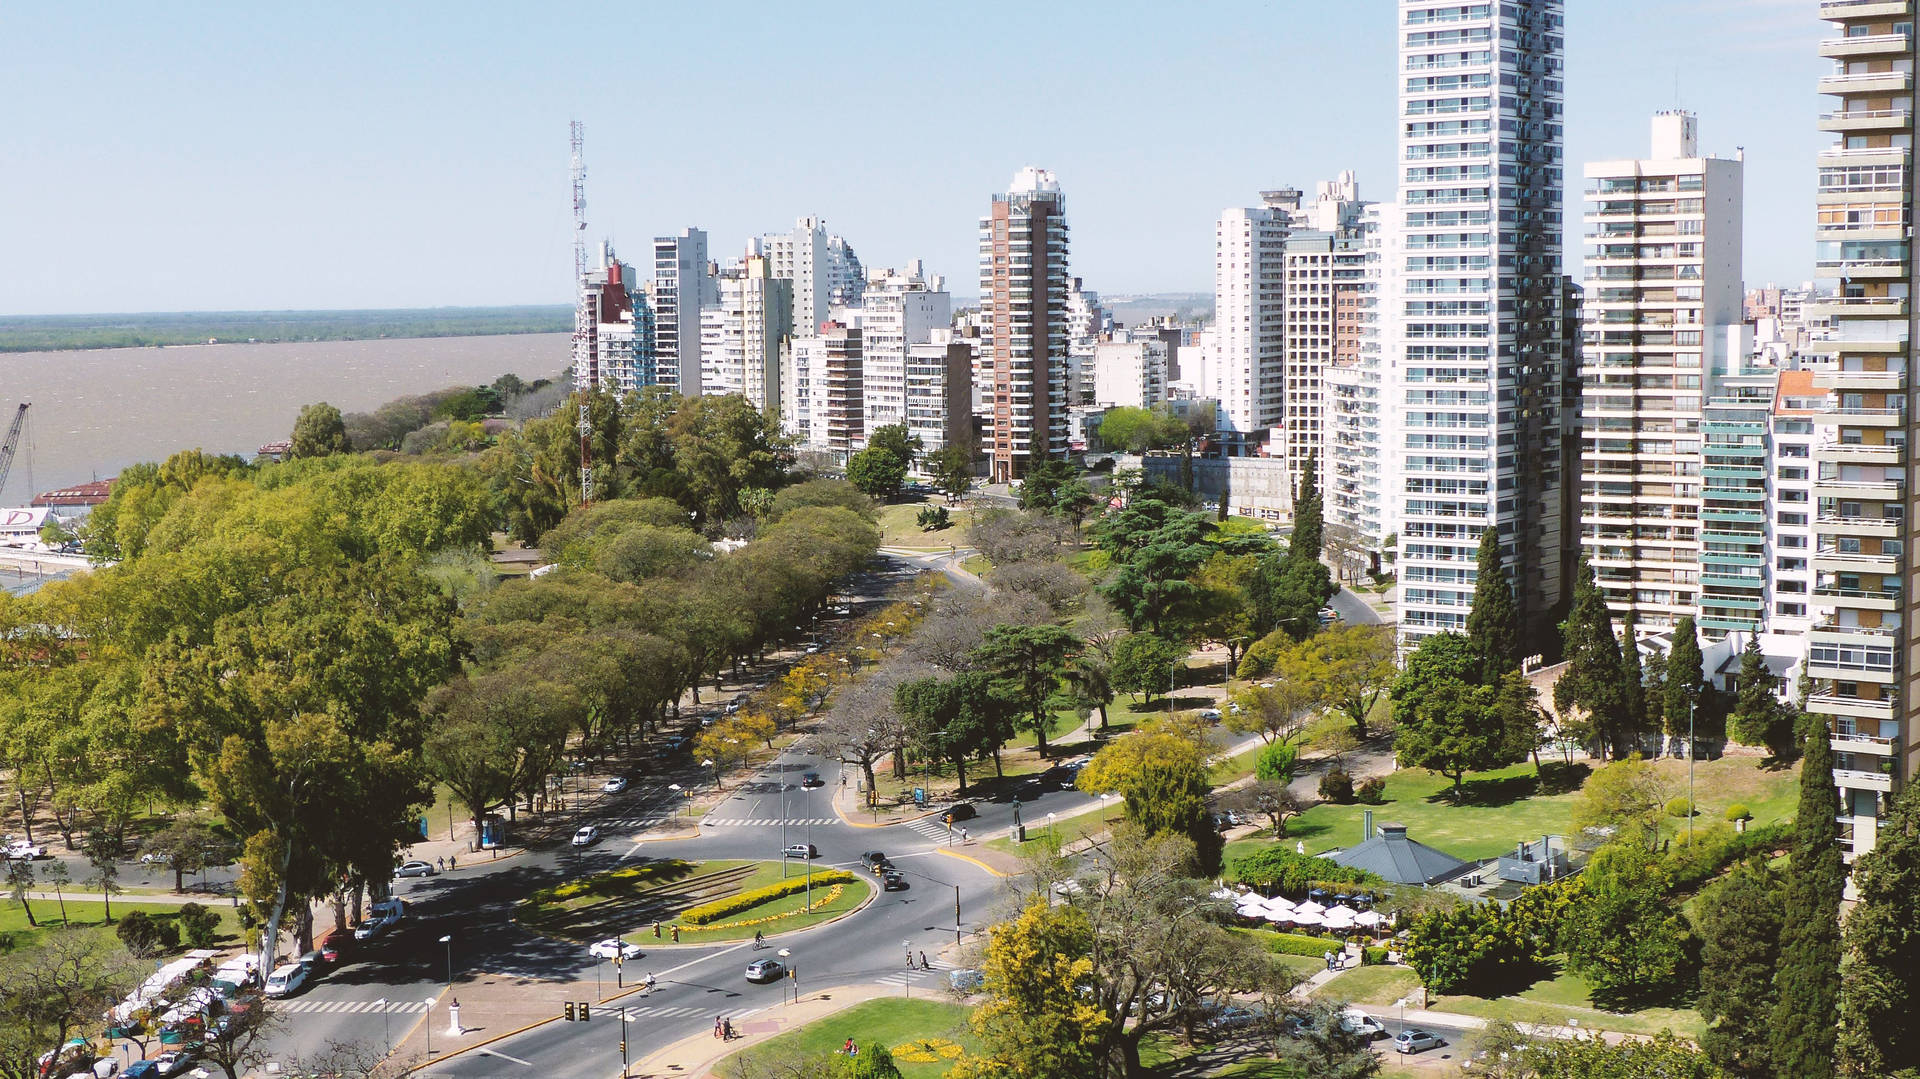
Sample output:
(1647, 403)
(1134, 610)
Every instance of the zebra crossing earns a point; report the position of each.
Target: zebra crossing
(933, 829)
(916, 976)
(634, 824)
(768, 822)
(648, 1011)
(337, 1007)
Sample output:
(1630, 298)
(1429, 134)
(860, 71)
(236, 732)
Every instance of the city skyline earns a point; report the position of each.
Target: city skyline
(357, 152)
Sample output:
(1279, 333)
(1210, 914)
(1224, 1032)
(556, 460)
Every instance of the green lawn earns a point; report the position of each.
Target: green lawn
(1565, 997)
(782, 915)
(976, 565)
(1376, 986)
(1065, 829)
(1503, 807)
(898, 527)
(86, 913)
(910, 1029)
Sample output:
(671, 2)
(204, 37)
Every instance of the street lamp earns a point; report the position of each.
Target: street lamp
(675, 788)
(386, 1024)
(1050, 834)
(907, 979)
(428, 1027)
(448, 941)
(708, 763)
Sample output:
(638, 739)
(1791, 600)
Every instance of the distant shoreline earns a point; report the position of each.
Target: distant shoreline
(84, 333)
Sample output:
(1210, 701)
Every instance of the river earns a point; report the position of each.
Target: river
(95, 412)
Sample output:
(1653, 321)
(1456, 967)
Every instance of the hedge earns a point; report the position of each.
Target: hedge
(1298, 944)
(1372, 957)
(720, 908)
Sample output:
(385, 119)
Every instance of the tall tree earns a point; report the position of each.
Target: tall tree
(952, 468)
(1739, 949)
(1806, 1016)
(1685, 679)
(1880, 976)
(895, 439)
(1143, 664)
(1027, 663)
(1758, 717)
(1633, 675)
(1352, 667)
(1623, 932)
(877, 472)
(318, 432)
(1494, 621)
(1591, 681)
(1455, 725)
(1170, 798)
(1036, 1024)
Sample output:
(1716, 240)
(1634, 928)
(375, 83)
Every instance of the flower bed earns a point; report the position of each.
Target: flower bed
(720, 908)
(831, 897)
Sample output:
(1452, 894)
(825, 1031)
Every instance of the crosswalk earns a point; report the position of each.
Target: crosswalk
(768, 822)
(648, 1011)
(635, 824)
(933, 829)
(916, 976)
(337, 1007)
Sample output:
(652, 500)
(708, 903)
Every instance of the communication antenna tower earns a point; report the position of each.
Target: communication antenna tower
(586, 359)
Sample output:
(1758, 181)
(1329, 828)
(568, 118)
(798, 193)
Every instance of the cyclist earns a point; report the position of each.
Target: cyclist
(759, 939)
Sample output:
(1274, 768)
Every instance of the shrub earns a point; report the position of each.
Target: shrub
(1739, 811)
(1373, 791)
(198, 924)
(1337, 786)
(1297, 944)
(1281, 869)
(146, 936)
(1680, 807)
(932, 518)
(721, 908)
(1372, 957)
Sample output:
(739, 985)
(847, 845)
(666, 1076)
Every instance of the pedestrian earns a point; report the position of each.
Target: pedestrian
(676, 934)
(1328, 959)
(453, 861)
(909, 958)
(442, 863)
(716, 1026)
(923, 962)
(847, 1048)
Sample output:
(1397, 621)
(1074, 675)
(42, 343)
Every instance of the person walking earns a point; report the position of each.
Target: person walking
(923, 962)
(716, 1027)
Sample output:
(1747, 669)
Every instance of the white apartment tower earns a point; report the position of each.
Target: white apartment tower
(1023, 297)
(1477, 336)
(899, 309)
(683, 283)
(1663, 308)
(1325, 245)
(1860, 656)
(823, 268)
(1245, 366)
(1354, 465)
(742, 335)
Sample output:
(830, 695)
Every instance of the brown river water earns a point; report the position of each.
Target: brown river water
(95, 412)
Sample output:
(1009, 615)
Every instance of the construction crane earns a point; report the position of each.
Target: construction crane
(11, 444)
(586, 365)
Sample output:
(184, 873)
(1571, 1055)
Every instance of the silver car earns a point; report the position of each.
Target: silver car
(1417, 1041)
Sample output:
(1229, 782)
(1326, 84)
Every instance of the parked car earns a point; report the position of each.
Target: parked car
(1415, 1041)
(286, 980)
(800, 850)
(23, 851)
(766, 970)
(614, 785)
(333, 944)
(1229, 1018)
(892, 881)
(612, 946)
(587, 836)
(874, 859)
(674, 742)
(141, 1069)
(173, 1062)
(966, 980)
(810, 780)
(1359, 1022)
(415, 868)
(960, 811)
(1211, 715)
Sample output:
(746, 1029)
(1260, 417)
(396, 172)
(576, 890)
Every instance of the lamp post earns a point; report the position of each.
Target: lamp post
(386, 1025)
(906, 980)
(1691, 709)
(708, 763)
(428, 1027)
(623, 1043)
(448, 941)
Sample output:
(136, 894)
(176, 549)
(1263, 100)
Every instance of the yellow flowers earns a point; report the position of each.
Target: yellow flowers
(720, 908)
(926, 1050)
(831, 896)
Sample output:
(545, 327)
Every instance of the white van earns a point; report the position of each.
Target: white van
(286, 980)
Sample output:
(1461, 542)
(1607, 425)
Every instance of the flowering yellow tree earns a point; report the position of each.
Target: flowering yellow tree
(1039, 1021)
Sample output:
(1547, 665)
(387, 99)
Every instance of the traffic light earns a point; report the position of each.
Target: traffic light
(623, 1047)
(584, 1016)
(569, 1011)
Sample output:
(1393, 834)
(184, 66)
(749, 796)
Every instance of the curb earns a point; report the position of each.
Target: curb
(444, 1057)
(969, 858)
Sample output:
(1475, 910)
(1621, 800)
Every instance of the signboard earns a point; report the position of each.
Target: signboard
(22, 521)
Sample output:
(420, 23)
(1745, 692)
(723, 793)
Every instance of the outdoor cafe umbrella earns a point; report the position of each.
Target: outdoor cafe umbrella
(1368, 918)
(1303, 916)
(1310, 907)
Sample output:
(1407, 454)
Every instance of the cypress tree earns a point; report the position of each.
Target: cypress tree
(1684, 679)
(1880, 976)
(1494, 621)
(1805, 1018)
(1308, 530)
(1739, 949)
(1633, 688)
(1592, 679)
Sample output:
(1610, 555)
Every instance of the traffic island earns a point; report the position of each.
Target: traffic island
(671, 901)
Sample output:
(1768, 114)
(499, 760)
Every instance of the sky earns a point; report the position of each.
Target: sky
(215, 156)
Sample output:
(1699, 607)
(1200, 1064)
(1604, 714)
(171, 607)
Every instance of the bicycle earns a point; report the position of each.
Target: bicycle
(759, 941)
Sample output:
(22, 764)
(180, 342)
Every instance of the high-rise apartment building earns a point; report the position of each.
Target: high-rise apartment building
(683, 283)
(823, 268)
(940, 392)
(1023, 297)
(822, 391)
(1478, 335)
(1670, 532)
(742, 335)
(613, 331)
(1325, 247)
(1087, 322)
(1355, 467)
(1130, 373)
(1858, 656)
(898, 309)
(1245, 359)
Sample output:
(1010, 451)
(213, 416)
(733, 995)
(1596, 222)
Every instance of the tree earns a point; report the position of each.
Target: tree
(52, 992)
(1759, 718)
(1143, 664)
(895, 439)
(1269, 798)
(1494, 621)
(1446, 721)
(877, 472)
(1027, 663)
(1307, 538)
(1473, 948)
(1806, 1017)
(958, 719)
(1592, 680)
(1739, 949)
(1287, 593)
(1276, 710)
(1171, 799)
(103, 854)
(243, 1041)
(1623, 934)
(1035, 1023)
(1663, 1055)
(1121, 765)
(1880, 975)
(20, 884)
(1684, 681)
(1326, 1047)
(1041, 485)
(952, 468)
(1276, 763)
(1633, 690)
(1352, 666)
(184, 846)
(1628, 796)
(318, 432)
(1074, 499)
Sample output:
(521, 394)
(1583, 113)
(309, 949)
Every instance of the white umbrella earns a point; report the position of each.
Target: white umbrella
(1221, 893)
(1338, 918)
(1341, 911)
(1303, 916)
(1368, 918)
(1310, 907)
(1251, 909)
(1279, 907)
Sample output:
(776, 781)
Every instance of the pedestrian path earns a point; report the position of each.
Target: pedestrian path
(336, 1007)
(768, 822)
(649, 1011)
(634, 823)
(932, 828)
(916, 976)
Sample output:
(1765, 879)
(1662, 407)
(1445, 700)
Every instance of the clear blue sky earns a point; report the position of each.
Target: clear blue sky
(226, 156)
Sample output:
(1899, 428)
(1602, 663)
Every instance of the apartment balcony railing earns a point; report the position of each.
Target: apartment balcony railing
(1865, 119)
(1854, 779)
(1867, 82)
(1861, 9)
(1834, 704)
(1860, 743)
(1866, 45)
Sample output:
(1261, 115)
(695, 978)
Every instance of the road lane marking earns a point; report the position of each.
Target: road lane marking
(503, 1056)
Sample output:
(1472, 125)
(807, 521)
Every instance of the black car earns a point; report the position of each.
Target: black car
(873, 859)
(809, 780)
(892, 881)
(960, 811)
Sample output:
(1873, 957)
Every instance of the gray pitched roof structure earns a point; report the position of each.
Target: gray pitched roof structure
(1391, 855)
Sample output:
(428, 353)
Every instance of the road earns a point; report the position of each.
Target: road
(1351, 608)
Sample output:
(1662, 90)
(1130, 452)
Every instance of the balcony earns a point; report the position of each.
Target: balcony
(1861, 306)
(1884, 527)
(1860, 453)
(1828, 560)
(1832, 632)
(1866, 45)
(1860, 743)
(1837, 10)
(1865, 490)
(1854, 779)
(1861, 417)
(1858, 599)
(1867, 82)
(1833, 704)
(1868, 381)
(1863, 120)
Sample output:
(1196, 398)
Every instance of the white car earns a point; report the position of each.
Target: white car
(21, 850)
(586, 836)
(612, 946)
(286, 980)
(614, 785)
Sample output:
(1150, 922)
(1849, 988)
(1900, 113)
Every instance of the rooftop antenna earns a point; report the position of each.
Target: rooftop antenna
(586, 366)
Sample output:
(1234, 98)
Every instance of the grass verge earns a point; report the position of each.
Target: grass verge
(912, 1030)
